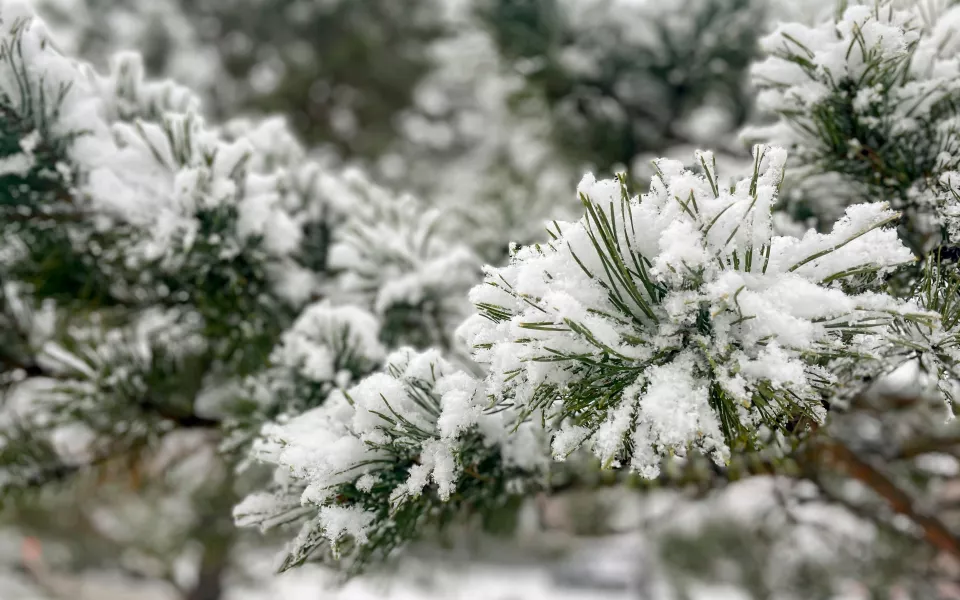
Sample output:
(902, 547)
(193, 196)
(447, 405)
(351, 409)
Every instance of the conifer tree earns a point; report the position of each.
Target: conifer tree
(161, 275)
(362, 382)
(329, 66)
(677, 320)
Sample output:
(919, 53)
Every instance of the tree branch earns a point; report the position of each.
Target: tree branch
(949, 444)
(830, 452)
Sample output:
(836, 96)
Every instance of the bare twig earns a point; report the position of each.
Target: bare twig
(832, 453)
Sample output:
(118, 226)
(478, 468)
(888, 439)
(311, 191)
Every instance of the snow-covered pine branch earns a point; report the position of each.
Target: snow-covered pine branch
(867, 98)
(928, 347)
(174, 258)
(327, 348)
(396, 261)
(677, 318)
(404, 451)
(867, 102)
(140, 189)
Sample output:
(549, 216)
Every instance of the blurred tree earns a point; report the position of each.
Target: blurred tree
(626, 78)
(339, 70)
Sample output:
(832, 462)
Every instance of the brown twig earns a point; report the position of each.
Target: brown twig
(832, 453)
(927, 445)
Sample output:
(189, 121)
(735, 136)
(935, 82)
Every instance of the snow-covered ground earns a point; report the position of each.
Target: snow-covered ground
(566, 580)
(476, 583)
(480, 583)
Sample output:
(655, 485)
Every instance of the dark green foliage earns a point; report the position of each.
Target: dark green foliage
(364, 56)
(525, 28)
(29, 460)
(636, 96)
(229, 288)
(321, 59)
(419, 325)
(318, 237)
(890, 163)
(41, 221)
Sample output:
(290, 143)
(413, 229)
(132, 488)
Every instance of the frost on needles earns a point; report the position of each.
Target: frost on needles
(677, 319)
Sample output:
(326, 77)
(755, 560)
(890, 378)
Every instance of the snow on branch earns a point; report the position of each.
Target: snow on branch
(677, 318)
(870, 97)
(404, 449)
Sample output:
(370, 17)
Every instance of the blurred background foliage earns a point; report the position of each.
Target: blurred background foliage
(619, 78)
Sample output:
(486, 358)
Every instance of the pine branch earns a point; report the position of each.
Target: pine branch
(150, 405)
(648, 306)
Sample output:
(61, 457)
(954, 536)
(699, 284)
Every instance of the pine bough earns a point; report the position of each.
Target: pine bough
(179, 260)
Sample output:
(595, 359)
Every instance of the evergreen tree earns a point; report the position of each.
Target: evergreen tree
(339, 70)
(677, 320)
(161, 276)
(345, 373)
